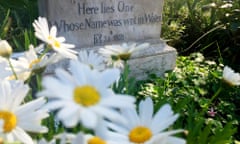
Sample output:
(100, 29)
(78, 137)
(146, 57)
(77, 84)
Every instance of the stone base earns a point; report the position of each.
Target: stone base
(156, 59)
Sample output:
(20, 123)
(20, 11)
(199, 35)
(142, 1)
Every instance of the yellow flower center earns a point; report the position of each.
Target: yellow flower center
(228, 82)
(1, 140)
(125, 56)
(55, 43)
(96, 140)
(140, 134)
(86, 95)
(34, 62)
(10, 120)
(12, 77)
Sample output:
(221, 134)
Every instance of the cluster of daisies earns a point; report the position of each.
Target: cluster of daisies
(79, 95)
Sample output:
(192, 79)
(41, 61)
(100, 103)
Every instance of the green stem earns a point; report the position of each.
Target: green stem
(125, 73)
(45, 51)
(39, 80)
(12, 68)
(215, 95)
(211, 100)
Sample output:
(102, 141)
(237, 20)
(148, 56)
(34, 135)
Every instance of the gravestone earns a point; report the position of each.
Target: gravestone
(91, 24)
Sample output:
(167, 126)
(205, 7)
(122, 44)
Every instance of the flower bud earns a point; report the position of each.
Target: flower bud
(5, 49)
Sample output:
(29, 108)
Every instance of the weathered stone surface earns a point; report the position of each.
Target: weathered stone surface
(90, 24)
(98, 22)
(156, 59)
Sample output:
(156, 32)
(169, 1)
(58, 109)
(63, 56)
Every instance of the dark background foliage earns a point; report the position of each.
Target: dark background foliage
(16, 18)
(210, 27)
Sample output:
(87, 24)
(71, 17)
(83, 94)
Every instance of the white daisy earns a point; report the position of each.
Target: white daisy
(27, 63)
(145, 128)
(84, 95)
(230, 77)
(91, 59)
(116, 54)
(82, 138)
(18, 118)
(17, 72)
(123, 51)
(33, 63)
(50, 37)
(99, 137)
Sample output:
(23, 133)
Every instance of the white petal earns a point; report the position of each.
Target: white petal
(158, 126)
(22, 136)
(30, 127)
(166, 138)
(56, 104)
(146, 111)
(117, 128)
(30, 106)
(132, 118)
(111, 114)
(64, 77)
(55, 89)
(176, 140)
(53, 31)
(109, 76)
(69, 115)
(61, 39)
(20, 93)
(119, 101)
(79, 71)
(89, 119)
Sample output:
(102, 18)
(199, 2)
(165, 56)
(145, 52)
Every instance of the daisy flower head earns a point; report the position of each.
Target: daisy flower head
(82, 138)
(99, 137)
(50, 37)
(83, 95)
(79, 138)
(92, 59)
(15, 117)
(34, 63)
(24, 63)
(12, 69)
(5, 49)
(145, 128)
(122, 51)
(230, 77)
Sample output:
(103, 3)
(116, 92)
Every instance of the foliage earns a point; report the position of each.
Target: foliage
(189, 89)
(15, 22)
(209, 27)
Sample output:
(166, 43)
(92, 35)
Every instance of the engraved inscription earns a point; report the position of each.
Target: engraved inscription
(92, 20)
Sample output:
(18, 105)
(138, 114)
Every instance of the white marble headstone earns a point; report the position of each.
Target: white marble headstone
(90, 24)
(97, 22)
